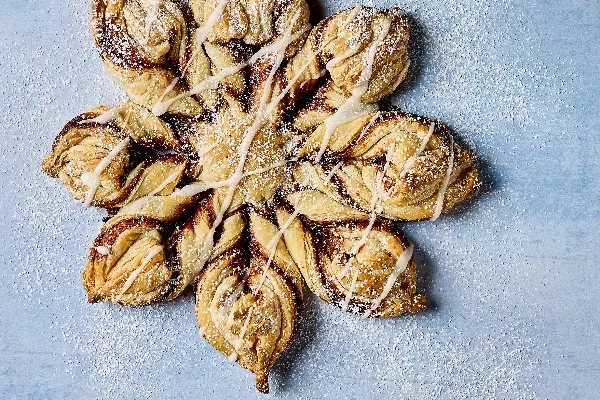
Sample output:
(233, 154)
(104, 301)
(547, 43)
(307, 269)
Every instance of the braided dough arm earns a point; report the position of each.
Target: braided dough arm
(426, 166)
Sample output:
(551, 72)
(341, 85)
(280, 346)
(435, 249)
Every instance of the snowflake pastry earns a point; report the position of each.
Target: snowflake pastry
(252, 160)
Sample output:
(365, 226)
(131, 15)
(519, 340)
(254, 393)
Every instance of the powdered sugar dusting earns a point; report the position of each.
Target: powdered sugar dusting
(472, 54)
(419, 360)
(478, 340)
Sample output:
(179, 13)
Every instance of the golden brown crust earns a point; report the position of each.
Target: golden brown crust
(350, 39)
(127, 264)
(248, 304)
(322, 250)
(144, 56)
(373, 265)
(337, 47)
(83, 145)
(255, 23)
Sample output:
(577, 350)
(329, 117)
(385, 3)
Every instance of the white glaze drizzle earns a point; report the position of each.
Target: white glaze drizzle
(278, 48)
(399, 268)
(353, 13)
(331, 173)
(350, 293)
(268, 168)
(200, 37)
(408, 164)
(152, 18)
(202, 33)
(161, 107)
(356, 248)
(347, 54)
(240, 340)
(170, 179)
(212, 82)
(354, 108)
(103, 250)
(442, 193)
(151, 254)
(103, 118)
(92, 179)
(402, 74)
(351, 110)
(205, 150)
(237, 292)
(364, 130)
(195, 188)
(272, 245)
(376, 208)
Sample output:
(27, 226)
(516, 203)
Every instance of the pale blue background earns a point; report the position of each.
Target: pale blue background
(512, 277)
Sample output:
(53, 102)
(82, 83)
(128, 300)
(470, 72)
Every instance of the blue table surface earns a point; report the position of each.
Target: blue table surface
(512, 277)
